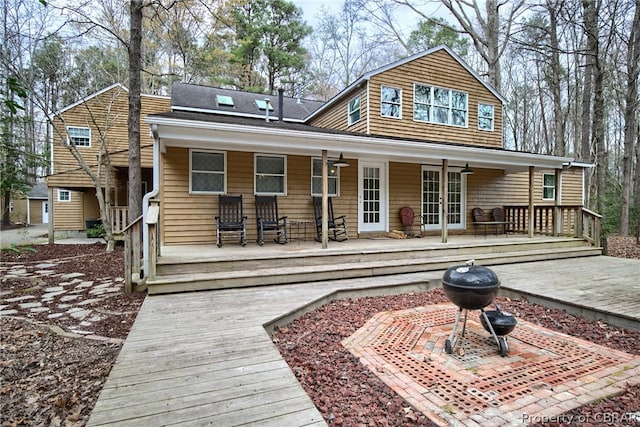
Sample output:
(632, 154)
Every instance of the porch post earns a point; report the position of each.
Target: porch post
(531, 207)
(51, 219)
(557, 218)
(325, 200)
(444, 197)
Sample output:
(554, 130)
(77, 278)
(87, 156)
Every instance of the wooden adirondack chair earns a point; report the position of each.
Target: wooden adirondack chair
(269, 221)
(337, 225)
(230, 219)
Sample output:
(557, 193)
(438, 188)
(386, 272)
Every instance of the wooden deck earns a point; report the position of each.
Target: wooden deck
(205, 358)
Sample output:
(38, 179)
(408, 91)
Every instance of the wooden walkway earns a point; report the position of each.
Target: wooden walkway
(204, 358)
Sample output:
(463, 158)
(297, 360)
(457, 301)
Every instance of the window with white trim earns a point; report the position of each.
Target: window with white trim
(548, 186)
(207, 172)
(354, 110)
(64, 195)
(333, 174)
(391, 102)
(485, 117)
(79, 136)
(440, 105)
(270, 175)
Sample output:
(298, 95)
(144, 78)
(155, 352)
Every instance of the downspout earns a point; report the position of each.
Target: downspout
(147, 197)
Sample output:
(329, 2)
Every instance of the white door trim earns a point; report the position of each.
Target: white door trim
(382, 223)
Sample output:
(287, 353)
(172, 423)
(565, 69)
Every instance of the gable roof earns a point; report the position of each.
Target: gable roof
(206, 99)
(38, 191)
(370, 74)
(100, 92)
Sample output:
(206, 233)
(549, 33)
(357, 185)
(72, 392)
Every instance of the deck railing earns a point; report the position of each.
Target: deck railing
(119, 218)
(561, 220)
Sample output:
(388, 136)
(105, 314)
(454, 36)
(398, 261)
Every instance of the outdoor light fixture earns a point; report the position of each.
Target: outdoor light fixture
(466, 170)
(341, 162)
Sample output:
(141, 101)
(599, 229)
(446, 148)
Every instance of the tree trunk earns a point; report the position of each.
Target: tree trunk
(630, 120)
(591, 28)
(135, 169)
(559, 145)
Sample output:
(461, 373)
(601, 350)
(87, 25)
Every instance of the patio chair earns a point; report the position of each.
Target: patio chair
(479, 220)
(269, 221)
(230, 219)
(408, 219)
(499, 216)
(337, 225)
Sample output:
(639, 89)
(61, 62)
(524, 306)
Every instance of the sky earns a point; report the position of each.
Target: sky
(310, 8)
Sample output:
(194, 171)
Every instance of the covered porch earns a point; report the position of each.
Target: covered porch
(182, 268)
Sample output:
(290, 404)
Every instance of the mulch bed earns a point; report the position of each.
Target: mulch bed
(49, 379)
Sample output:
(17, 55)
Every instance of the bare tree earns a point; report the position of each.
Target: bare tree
(630, 120)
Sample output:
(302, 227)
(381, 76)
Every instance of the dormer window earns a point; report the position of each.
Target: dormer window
(354, 110)
(391, 102)
(439, 105)
(262, 105)
(224, 101)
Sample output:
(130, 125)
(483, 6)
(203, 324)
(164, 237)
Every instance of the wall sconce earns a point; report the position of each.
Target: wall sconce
(466, 170)
(341, 162)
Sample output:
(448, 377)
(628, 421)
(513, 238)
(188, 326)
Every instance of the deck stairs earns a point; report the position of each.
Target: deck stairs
(268, 268)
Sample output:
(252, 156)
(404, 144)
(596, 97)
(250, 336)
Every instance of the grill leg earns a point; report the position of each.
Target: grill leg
(449, 343)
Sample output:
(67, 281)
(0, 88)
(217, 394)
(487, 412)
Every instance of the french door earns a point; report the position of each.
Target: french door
(372, 196)
(431, 200)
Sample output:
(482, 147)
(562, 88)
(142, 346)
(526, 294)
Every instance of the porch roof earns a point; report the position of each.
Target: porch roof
(216, 132)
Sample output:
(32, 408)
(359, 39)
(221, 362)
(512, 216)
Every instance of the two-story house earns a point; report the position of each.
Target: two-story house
(97, 123)
(409, 131)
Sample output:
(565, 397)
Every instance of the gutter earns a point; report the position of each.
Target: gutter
(147, 197)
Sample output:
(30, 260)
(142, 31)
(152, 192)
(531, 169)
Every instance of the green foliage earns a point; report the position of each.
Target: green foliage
(268, 34)
(435, 32)
(96, 231)
(18, 249)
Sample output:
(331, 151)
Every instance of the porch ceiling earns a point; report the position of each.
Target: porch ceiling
(310, 141)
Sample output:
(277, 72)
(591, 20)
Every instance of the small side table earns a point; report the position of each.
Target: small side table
(300, 227)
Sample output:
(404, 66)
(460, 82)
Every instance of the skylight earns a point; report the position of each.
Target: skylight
(224, 100)
(262, 105)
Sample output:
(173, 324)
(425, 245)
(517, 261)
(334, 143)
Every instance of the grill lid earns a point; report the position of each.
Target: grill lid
(471, 276)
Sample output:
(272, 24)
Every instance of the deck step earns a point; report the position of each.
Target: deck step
(370, 266)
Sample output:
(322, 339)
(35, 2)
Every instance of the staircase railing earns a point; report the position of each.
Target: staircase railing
(119, 218)
(132, 255)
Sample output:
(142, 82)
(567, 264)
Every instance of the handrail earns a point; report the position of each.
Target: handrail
(132, 256)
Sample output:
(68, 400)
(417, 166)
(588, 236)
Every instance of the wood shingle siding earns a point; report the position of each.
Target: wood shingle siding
(439, 69)
(337, 117)
(190, 218)
(68, 215)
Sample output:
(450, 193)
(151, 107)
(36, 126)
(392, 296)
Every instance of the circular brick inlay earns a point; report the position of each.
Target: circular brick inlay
(406, 350)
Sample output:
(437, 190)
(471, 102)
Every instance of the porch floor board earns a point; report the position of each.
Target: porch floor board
(205, 357)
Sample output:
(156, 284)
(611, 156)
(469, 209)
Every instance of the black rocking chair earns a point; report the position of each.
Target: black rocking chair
(268, 219)
(230, 219)
(337, 225)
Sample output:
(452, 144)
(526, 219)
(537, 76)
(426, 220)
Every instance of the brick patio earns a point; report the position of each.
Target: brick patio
(545, 373)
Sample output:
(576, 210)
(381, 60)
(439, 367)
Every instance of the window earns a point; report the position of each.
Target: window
(80, 137)
(548, 186)
(224, 100)
(485, 117)
(391, 102)
(262, 104)
(10, 207)
(64, 195)
(271, 174)
(316, 178)
(439, 105)
(354, 110)
(207, 172)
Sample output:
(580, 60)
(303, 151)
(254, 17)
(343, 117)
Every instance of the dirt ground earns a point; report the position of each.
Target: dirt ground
(64, 317)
